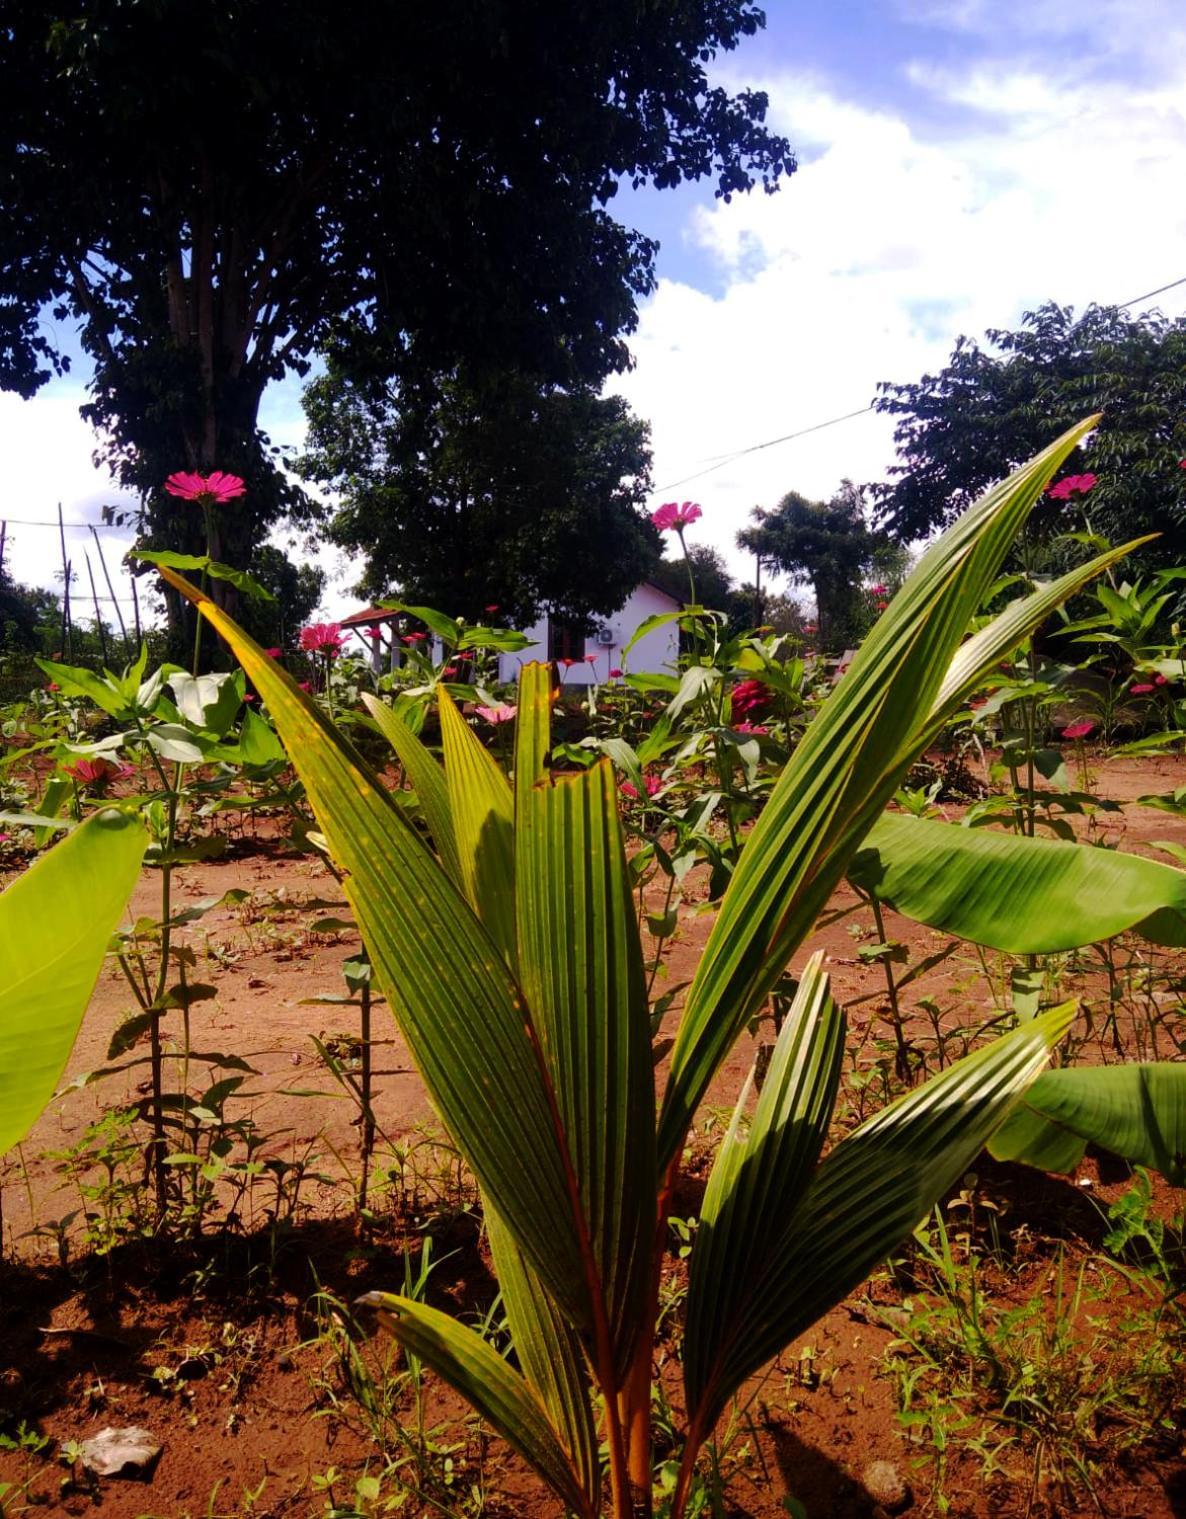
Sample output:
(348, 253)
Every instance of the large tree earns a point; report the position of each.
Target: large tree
(993, 407)
(207, 187)
(493, 492)
(824, 544)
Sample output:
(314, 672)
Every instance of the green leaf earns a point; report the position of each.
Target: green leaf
(841, 775)
(648, 625)
(56, 921)
(1022, 895)
(173, 742)
(475, 1370)
(445, 628)
(457, 1005)
(580, 964)
(168, 559)
(258, 744)
(758, 1172)
(75, 681)
(427, 778)
(549, 1353)
(870, 1192)
(483, 813)
(1135, 1111)
(208, 701)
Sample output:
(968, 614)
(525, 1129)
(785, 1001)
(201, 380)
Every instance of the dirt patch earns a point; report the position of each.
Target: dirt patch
(229, 1346)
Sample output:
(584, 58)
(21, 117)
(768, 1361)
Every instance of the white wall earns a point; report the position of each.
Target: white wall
(653, 655)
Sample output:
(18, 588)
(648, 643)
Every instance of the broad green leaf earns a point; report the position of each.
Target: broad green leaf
(757, 1171)
(580, 964)
(870, 1192)
(549, 1353)
(533, 729)
(445, 628)
(56, 921)
(1135, 1111)
(649, 625)
(839, 779)
(457, 1005)
(258, 744)
(471, 1366)
(75, 681)
(695, 681)
(208, 701)
(168, 559)
(1025, 896)
(483, 813)
(427, 777)
(173, 742)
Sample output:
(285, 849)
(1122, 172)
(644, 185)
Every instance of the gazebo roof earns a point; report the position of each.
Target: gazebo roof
(367, 617)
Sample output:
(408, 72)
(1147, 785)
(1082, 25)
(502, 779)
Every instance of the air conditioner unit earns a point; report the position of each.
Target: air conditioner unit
(605, 637)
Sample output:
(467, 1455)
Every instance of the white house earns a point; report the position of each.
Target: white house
(582, 659)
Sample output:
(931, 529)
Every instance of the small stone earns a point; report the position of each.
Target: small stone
(886, 1486)
(119, 1452)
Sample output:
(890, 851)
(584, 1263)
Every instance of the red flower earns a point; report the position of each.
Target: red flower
(492, 610)
(274, 653)
(1079, 730)
(651, 782)
(1071, 486)
(96, 774)
(1141, 690)
(755, 730)
(322, 638)
(615, 674)
(568, 663)
(304, 685)
(750, 696)
(448, 672)
(881, 605)
(374, 632)
(214, 489)
(878, 590)
(415, 637)
(250, 696)
(673, 515)
(590, 659)
(1160, 680)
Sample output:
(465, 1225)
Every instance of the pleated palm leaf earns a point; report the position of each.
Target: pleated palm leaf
(508, 949)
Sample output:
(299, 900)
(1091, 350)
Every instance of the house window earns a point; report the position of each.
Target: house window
(566, 640)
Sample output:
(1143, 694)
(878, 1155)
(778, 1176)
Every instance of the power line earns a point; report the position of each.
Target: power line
(849, 415)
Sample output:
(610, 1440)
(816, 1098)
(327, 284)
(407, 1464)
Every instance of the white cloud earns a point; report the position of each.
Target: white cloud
(882, 248)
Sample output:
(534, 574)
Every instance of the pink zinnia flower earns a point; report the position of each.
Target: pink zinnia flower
(274, 653)
(1141, 690)
(615, 673)
(1160, 680)
(214, 489)
(448, 672)
(673, 515)
(1072, 485)
(1078, 730)
(322, 638)
(652, 783)
(568, 663)
(96, 774)
(503, 713)
(375, 632)
(415, 637)
(590, 659)
(304, 685)
(756, 730)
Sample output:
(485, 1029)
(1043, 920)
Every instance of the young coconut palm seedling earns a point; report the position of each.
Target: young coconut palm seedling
(509, 951)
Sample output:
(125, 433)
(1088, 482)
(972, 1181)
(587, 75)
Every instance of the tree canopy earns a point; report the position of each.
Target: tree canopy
(497, 492)
(824, 544)
(991, 408)
(209, 189)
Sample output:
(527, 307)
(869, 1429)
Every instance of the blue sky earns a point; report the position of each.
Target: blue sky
(960, 161)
